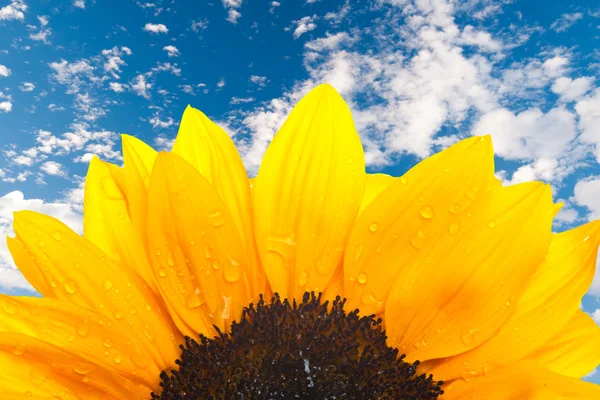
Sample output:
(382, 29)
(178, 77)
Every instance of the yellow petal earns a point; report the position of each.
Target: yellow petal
(575, 351)
(525, 380)
(195, 249)
(78, 272)
(40, 369)
(210, 150)
(374, 185)
(444, 236)
(97, 339)
(550, 300)
(106, 220)
(441, 188)
(307, 194)
(138, 162)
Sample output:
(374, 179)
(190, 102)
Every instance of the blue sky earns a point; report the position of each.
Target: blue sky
(418, 75)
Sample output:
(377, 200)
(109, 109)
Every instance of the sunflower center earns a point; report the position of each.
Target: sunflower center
(283, 350)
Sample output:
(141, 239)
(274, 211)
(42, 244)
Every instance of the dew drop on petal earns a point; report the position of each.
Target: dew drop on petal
(162, 272)
(107, 285)
(373, 227)
(83, 329)
(56, 235)
(70, 287)
(454, 228)
(362, 278)
(492, 224)
(427, 212)
(118, 359)
(303, 278)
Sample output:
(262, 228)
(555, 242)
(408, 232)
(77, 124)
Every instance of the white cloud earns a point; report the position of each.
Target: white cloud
(141, 87)
(155, 28)
(260, 81)
(586, 194)
(221, 83)
(596, 317)
(4, 71)
(43, 33)
(231, 7)
(303, 25)
(171, 50)
(199, 26)
(117, 87)
(14, 11)
(53, 168)
(54, 108)
(65, 211)
(481, 39)
(233, 16)
(330, 42)
(114, 60)
(274, 5)
(5, 106)
(572, 89)
(159, 123)
(530, 134)
(241, 100)
(588, 110)
(566, 21)
(79, 3)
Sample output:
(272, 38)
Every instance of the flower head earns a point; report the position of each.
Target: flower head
(313, 279)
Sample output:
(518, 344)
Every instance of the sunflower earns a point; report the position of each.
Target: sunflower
(314, 280)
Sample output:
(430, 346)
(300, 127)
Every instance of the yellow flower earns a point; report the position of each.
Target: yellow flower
(463, 274)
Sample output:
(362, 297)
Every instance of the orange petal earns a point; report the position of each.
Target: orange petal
(307, 194)
(524, 380)
(40, 369)
(574, 351)
(550, 300)
(78, 272)
(107, 222)
(210, 150)
(196, 252)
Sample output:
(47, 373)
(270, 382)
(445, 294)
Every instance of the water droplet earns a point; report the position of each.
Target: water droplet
(158, 252)
(192, 243)
(19, 349)
(586, 239)
(133, 311)
(107, 285)
(454, 228)
(10, 306)
(162, 272)
(107, 343)
(193, 301)
(216, 218)
(402, 180)
(469, 337)
(110, 188)
(170, 260)
(427, 212)
(149, 333)
(56, 235)
(303, 278)
(455, 209)
(438, 330)
(83, 368)
(70, 287)
(207, 252)
(83, 329)
(418, 241)
(284, 246)
(53, 283)
(508, 303)
(373, 227)
(358, 252)
(369, 300)
(118, 359)
(492, 224)
(216, 264)
(118, 314)
(362, 278)
(41, 243)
